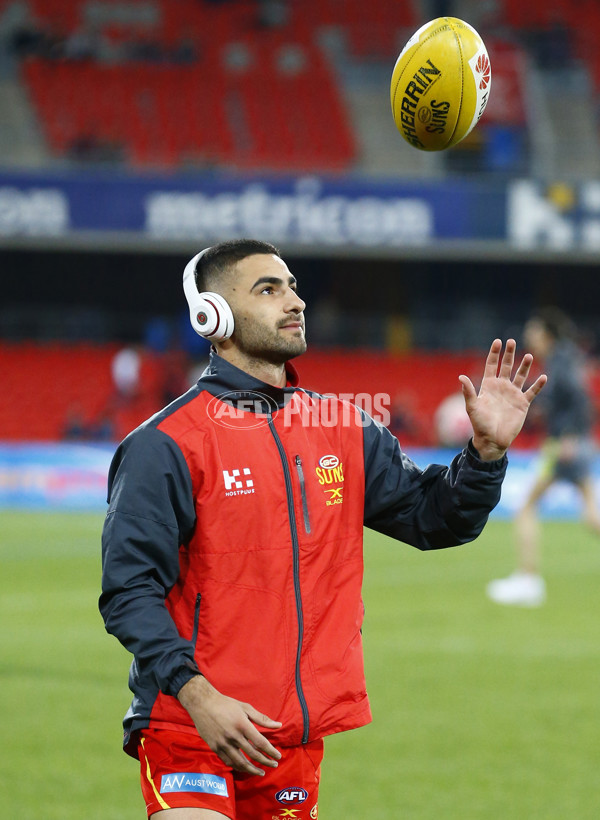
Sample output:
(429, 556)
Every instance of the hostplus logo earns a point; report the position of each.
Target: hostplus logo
(238, 482)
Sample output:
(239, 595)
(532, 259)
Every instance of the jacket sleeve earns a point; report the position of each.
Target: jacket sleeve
(150, 514)
(432, 508)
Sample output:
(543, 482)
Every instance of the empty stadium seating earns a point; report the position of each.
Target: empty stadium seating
(247, 100)
(373, 30)
(264, 113)
(223, 85)
(45, 384)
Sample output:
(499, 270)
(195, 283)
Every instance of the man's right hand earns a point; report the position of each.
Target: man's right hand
(227, 726)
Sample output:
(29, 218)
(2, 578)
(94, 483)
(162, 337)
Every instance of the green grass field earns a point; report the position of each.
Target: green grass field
(479, 711)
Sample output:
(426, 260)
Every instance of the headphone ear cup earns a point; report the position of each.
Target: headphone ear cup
(211, 317)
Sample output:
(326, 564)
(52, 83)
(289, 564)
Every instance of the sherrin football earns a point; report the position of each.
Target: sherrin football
(440, 84)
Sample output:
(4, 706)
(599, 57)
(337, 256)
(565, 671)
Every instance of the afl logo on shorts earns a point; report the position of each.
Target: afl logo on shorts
(329, 462)
(291, 797)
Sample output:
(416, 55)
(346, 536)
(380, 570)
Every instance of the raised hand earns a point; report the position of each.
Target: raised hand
(498, 411)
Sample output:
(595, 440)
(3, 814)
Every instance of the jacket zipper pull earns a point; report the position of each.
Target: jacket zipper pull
(305, 514)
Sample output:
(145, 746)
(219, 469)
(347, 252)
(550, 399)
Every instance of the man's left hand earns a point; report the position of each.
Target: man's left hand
(499, 410)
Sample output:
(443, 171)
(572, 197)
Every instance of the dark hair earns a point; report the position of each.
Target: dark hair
(555, 322)
(219, 259)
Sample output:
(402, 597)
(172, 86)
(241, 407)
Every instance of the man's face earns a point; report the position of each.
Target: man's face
(268, 313)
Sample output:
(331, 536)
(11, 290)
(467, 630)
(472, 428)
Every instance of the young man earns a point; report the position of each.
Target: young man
(232, 549)
(567, 452)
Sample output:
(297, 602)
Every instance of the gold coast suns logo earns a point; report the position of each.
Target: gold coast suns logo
(330, 474)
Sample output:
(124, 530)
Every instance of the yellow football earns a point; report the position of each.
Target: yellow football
(440, 84)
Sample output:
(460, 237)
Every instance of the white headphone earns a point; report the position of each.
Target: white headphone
(210, 314)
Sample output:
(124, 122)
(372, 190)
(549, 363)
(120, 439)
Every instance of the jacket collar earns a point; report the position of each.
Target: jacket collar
(233, 385)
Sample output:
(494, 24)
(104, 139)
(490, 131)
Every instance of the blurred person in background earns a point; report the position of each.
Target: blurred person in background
(452, 423)
(233, 548)
(567, 454)
(125, 369)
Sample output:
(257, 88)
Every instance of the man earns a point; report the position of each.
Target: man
(232, 549)
(567, 452)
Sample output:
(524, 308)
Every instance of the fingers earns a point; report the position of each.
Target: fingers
(251, 751)
(506, 367)
(468, 389)
(493, 357)
(523, 371)
(239, 752)
(262, 720)
(261, 749)
(536, 387)
(232, 756)
(248, 745)
(508, 359)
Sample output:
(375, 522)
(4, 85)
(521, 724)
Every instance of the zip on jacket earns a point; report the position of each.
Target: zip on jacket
(297, 591)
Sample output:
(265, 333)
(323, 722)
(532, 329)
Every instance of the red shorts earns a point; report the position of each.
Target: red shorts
(178, 770)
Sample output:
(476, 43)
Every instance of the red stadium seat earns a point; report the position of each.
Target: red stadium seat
(537, 13)
(62, 16)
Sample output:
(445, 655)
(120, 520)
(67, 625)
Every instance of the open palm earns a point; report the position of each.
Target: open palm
(499, 410)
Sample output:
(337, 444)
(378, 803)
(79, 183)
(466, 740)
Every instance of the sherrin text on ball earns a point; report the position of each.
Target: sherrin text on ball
(440, 84)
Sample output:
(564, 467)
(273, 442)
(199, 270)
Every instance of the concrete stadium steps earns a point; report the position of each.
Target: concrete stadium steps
(21, 142)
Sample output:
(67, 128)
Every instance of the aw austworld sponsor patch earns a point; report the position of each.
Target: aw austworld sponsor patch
(193, 782)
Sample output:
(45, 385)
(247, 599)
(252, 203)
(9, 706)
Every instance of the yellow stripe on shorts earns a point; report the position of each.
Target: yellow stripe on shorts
(157, 794)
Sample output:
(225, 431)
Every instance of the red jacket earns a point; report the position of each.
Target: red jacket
(233, 547)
